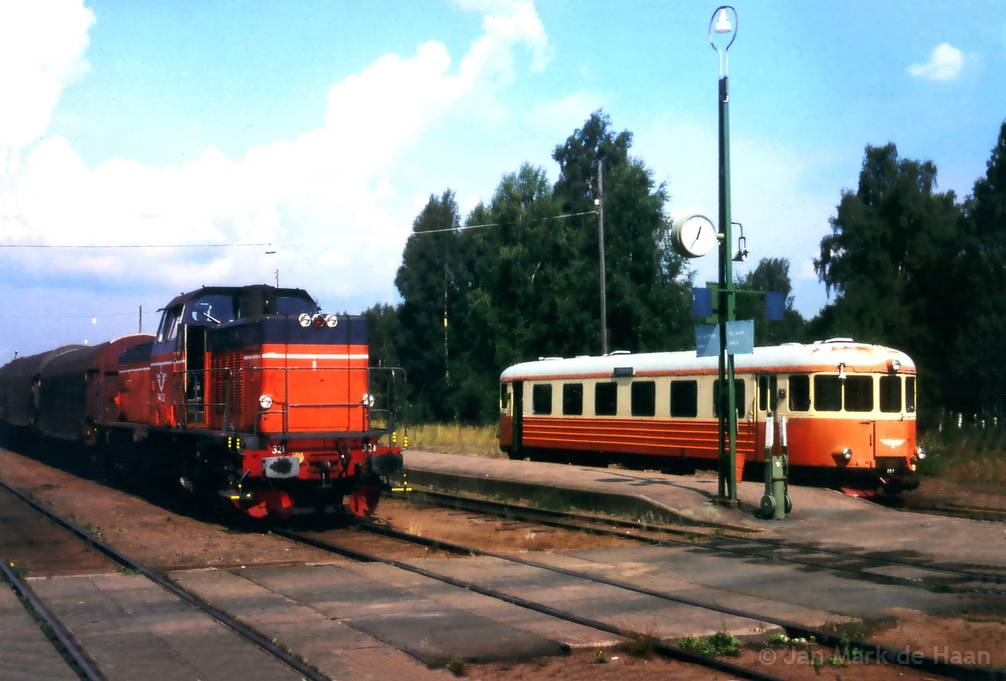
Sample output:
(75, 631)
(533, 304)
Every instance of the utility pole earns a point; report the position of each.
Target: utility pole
(600, 246)
(276, 272)
(140, 327)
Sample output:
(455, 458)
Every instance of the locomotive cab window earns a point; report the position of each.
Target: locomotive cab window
(168, 330)
(644, 398)
(739, 400)
(541, 398)
(910, 394)
(799, 392)
(684, 398)
(890, 394)
(504, 398)
(572, 399)
(605, 399)
(859, 393)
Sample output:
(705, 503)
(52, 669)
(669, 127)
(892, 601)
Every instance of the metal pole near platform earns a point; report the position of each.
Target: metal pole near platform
(723, 24)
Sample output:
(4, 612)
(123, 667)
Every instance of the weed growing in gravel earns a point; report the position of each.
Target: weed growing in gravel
(717, 645)
(600, 657)
(639, 645)
(456, 666)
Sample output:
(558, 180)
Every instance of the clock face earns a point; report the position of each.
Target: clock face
(694, 236)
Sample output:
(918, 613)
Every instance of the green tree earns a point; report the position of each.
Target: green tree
(427, 281)
(979, 385)
(771, 274)
(886, 260)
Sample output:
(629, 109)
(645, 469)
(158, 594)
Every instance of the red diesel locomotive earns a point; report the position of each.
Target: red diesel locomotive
(249, 393)
(849, 408)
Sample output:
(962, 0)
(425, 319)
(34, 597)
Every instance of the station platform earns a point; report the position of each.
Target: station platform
(820, 517)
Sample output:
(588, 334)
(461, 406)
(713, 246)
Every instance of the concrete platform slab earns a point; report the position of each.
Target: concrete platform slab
(133, 629)
(25, 653)
(332, 647)
(820, 517)
(409, 620)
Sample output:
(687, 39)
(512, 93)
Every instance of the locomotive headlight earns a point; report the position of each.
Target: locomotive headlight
(318, 321)
(304, 319)
(847, 454)
(331, 321)
(265, 401)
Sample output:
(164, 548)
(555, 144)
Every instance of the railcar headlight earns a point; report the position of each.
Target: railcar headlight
(895, 365)
(331, 321)
(920, 452)
(318, 321)
(304, 319)
(847, 454)
(265, 401)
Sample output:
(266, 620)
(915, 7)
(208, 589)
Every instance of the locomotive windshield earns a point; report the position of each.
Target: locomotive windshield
(251, 303)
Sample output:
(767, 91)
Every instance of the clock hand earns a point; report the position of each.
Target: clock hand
(697, 235)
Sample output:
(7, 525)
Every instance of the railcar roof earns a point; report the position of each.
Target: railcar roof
(818, 356)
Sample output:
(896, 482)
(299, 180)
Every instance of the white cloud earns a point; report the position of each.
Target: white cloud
(328, 196)
(42, 44)
(945, 63)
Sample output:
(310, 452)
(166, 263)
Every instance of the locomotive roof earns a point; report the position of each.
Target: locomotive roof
(261, 290)
(818, 356)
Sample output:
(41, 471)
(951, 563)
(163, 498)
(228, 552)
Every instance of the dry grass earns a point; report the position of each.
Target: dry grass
(454, 438)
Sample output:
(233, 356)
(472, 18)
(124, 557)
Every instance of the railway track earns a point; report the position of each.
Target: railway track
(65, 642)
(943, 578)
(868, 650)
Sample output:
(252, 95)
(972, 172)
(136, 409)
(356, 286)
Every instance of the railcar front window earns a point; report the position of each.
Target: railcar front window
(827, 393)
(572, 399)
(890, 394)
(684, 398)
(541, 399)
(799, 393)
(644, 398)
(605, 399)
(859, 393)
(910, 394)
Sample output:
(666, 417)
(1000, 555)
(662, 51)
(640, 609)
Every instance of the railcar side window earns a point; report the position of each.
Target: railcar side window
(644, 398)
(799, 392)
(739, 399)
(859, 393)
(768, 399)
(684, 398)
(890, 394)
(827, 393)
(572, 399)
(910, 394)
(504, 398)
(605, 399)
(541, 399)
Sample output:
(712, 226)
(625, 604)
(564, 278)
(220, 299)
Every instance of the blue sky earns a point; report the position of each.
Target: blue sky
(322, 126)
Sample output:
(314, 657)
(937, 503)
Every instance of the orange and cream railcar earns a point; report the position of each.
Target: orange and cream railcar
(850, 410)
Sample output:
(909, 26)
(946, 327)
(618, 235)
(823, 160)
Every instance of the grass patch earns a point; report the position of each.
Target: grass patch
(720, 644)
(456, 665)
(455, 438)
